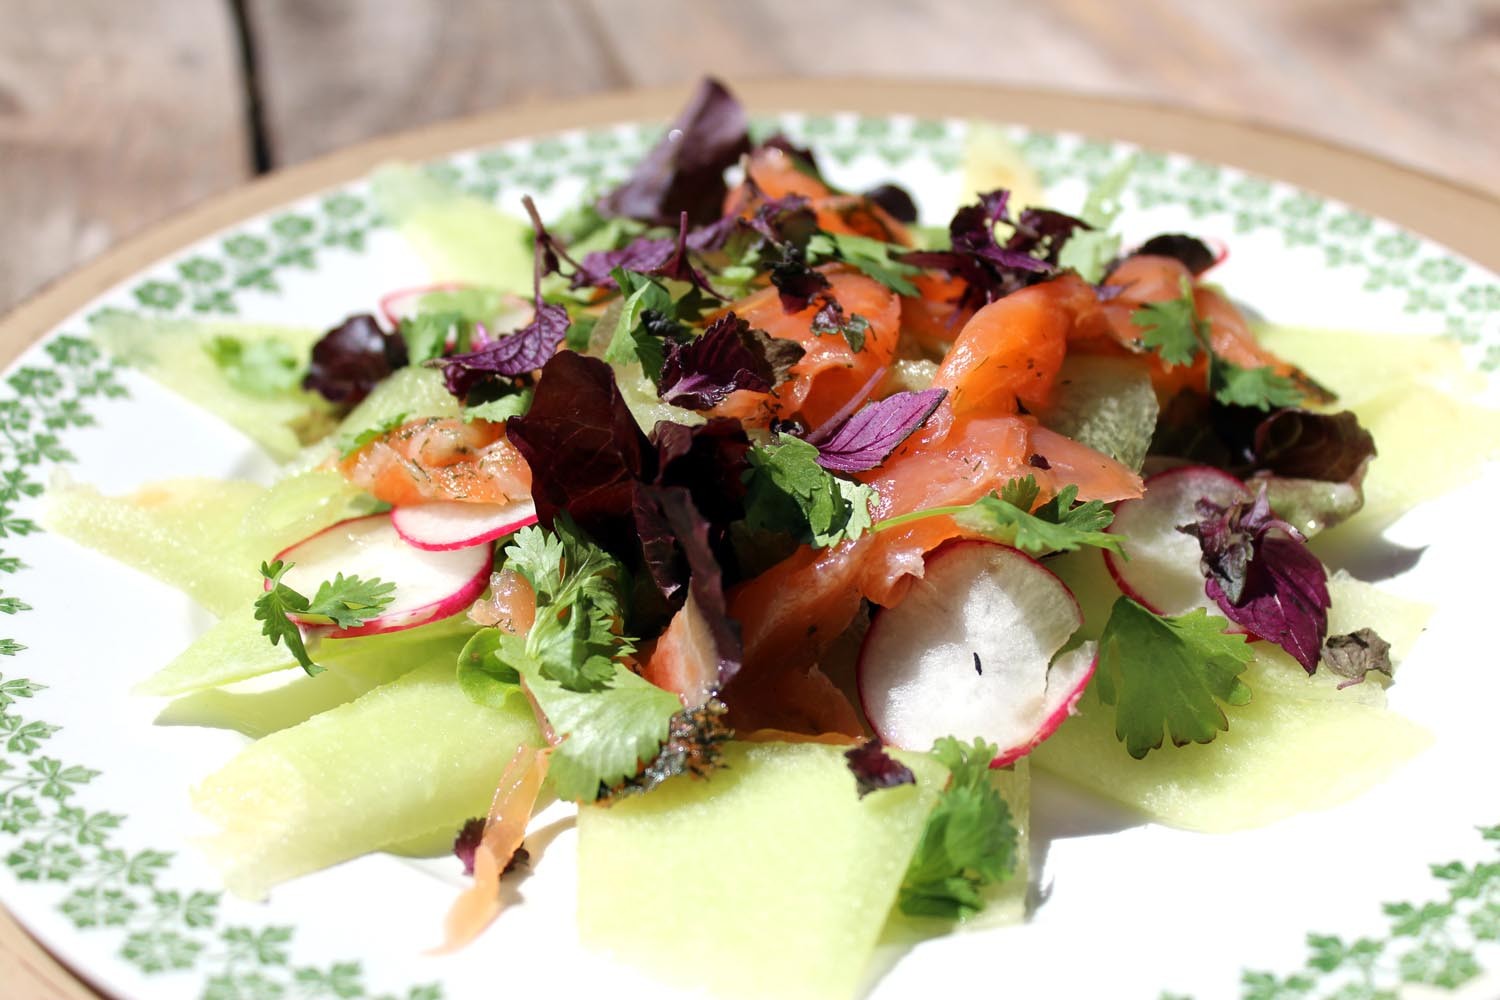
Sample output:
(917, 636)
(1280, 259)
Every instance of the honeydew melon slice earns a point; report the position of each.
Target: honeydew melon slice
(184, 532)
(1285, 752)
(394, 764)
(174, 353)
(262, 712)
(1358, 366)
(235, 649)
(771, 878)
(461, 238)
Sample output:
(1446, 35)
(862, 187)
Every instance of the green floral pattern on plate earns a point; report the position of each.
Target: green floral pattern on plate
(50, 833)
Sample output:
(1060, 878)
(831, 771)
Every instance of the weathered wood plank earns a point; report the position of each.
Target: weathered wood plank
(338, 71)
(111, 116)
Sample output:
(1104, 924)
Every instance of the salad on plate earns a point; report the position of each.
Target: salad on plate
(777, 534)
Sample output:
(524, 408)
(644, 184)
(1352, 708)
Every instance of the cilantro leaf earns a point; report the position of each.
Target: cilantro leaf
(1059, 525)
(607, 733)
(870, 256)
(349, 445)
(350, 601)
(788, 491)
(426, 334)
(345, 601)
(1172, 328)
(576, 583)
(500, 409)
(633, 339)
(262, 367)
(1090, 251)
(274, 608)
(1261, 388)
(1169, 673)
(969, 841)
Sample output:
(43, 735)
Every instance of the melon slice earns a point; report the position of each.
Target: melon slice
(402, 760)
(234, 649)
(461, 238)
(772, 878)
(184, 532)
(1285, 752)
(174, 352)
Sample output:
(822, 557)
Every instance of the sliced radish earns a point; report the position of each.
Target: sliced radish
(450, 524)
(1162, 571)
(429, 585)
(969, 652)
(405, 303)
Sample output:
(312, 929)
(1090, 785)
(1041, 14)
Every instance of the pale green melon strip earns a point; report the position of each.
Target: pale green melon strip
(396, 763)
(172, 351)
(260, 713)
(234, 649)
(183, 532)
(461, 238)
(1283, 754)
(771, 878)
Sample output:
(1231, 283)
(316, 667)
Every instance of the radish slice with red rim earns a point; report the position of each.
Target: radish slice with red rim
(972, 650)
(1162, 572)
(450, 524)
(429, 585)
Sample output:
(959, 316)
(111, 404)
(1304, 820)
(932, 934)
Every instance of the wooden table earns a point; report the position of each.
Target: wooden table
(115, 115)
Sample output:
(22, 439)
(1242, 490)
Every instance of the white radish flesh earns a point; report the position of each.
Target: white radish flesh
(969, 652)
(429, 585)
(1161, 571)
(449, 524)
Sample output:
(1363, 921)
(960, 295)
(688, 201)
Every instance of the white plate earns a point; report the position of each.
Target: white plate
(95, 826)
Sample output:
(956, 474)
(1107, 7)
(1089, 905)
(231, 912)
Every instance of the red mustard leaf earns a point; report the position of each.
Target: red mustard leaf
(350, 359)
(1354, 655)
(1301, 444)
(517, 353)
(729, 355)
(1261, 574)
(1191, 251)
(466, 844)
(895, 200)
(874, 769)
(684, 172)
(869, 436)
(795, 281)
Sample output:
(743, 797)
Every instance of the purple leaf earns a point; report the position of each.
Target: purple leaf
(517, 353)
(684, 172)
(874, 769)
(466, 844)
(642, 255)
(584, 449)
(676, 536)
(868, 437)
(796, 283)
(1261, 574)
(709, 461)
(991, 270)
(350, 359)
(1191, 251)
(1354, 655)
(728, 356)
(895, 200)
(1301, 444)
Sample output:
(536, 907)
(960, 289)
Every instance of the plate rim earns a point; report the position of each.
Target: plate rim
(1466, 220)
(1461, 218)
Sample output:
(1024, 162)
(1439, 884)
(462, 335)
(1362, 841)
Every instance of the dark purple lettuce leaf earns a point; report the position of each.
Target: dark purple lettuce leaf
(701, 373)
(874, 769)
(1259, 571)
(676, 540)
(708, 460)
(349, 360)
(1353, 656)
(518, 353)
(868, 437)
(1194, 254)
(1301, 444)
(898, 204)
(584, 448)
(684, 172)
